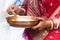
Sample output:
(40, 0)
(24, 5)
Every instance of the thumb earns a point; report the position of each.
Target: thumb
(40, 18)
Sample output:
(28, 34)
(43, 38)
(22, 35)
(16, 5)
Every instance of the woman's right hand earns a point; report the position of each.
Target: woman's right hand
(14, 8)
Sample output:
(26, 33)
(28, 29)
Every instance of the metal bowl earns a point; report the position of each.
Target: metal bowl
(22, 21)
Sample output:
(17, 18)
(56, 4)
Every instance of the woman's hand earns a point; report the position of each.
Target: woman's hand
(42, 24)
(15, 9)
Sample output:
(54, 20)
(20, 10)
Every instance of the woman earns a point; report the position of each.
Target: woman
(43, 10)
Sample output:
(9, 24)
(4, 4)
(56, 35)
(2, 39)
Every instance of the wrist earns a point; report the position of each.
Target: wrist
(22, 11)
(49, 24)
(53, 24)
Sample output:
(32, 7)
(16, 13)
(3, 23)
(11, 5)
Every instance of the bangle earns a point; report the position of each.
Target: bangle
(22, 11)
(56, 21)
(57, 26)
(51, 25)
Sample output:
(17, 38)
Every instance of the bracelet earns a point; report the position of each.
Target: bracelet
(51, 25)
(22, 12)
(57, 24)
(23, 9)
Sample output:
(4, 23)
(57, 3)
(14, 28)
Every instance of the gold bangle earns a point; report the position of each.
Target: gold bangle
(51, 25)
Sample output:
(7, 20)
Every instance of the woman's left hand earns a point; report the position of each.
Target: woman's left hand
(42, 24)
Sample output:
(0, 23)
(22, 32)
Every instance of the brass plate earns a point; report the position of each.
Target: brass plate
(22, 21)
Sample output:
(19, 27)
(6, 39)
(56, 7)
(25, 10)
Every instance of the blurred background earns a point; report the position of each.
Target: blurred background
(7, 32)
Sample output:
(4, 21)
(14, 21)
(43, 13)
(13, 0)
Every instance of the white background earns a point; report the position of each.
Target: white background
(7, 32)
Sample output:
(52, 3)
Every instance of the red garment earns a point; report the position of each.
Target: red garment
(27, 35)
(53, 34)
(43, 8)
(51, 6)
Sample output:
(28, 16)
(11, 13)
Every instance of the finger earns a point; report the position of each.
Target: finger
(41, 28)
(8, 10)
(37, 26)
(40, 18)
(13, 7)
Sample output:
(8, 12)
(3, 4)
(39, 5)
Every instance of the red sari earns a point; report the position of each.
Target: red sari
(42, 8)
(51, 7)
